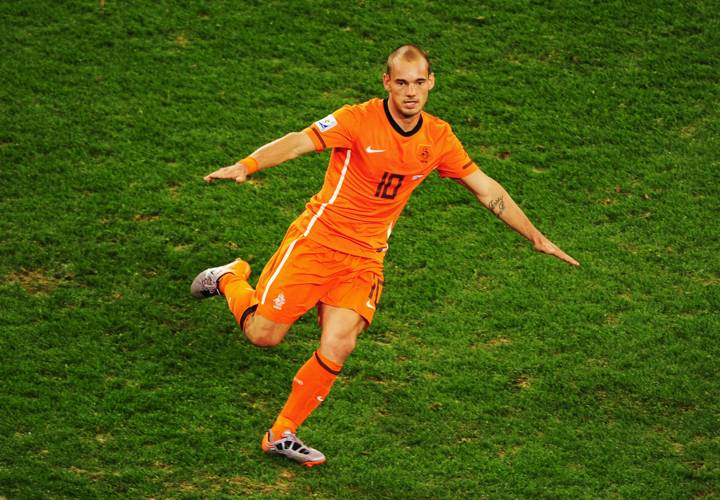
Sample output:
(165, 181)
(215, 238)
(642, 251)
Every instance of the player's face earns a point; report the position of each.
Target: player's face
(408, 85)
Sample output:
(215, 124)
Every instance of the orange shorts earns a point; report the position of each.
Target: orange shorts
(304, 273)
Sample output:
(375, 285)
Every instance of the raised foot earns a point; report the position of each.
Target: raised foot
(205, 284)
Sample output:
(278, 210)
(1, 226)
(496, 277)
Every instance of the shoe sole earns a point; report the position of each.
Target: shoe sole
(313, 464)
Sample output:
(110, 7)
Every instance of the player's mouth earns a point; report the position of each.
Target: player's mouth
(410, 104)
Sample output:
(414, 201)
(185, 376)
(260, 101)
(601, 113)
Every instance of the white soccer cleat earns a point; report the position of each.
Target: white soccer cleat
(291, 447)
(205, 284)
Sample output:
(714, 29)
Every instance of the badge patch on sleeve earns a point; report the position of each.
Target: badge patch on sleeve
(326, 123)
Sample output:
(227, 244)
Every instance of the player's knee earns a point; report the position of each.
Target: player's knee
(264, 335)
(340, 346)
(343, 351)
(347, 344)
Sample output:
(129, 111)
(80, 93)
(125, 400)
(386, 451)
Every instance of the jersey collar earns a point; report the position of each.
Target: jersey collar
(397, 127)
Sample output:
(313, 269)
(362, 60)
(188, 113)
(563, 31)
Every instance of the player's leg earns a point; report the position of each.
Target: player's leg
(264, 324)
(288, 287)
(231, 281)
(341, 328)
(346, 309)
(263, 332)
(312, 383)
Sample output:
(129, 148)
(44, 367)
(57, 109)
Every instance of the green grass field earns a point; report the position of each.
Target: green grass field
(490, 371)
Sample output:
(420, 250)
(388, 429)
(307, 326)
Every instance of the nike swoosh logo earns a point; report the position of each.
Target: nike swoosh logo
(369, 149)
(370, 305)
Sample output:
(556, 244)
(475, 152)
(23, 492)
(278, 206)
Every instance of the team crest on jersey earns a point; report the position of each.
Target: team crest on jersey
(423, 153)
(326, 123)
(279, 302)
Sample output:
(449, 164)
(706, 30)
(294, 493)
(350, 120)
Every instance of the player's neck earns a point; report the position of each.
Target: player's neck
(407, 123)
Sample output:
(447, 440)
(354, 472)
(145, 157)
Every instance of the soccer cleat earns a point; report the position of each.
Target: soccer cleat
(290, 446)
(205, 284)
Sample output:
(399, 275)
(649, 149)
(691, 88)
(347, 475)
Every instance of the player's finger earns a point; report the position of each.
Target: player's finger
(551, 248)
(217, 174)
(221, 173)
(563, 256)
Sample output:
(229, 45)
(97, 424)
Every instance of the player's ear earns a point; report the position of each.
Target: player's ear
(386, 81)
(431, 81)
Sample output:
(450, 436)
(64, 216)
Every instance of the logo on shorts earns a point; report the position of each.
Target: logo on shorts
(279, 302)
(326, 123)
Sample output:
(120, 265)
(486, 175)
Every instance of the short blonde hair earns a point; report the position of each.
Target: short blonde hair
(409, 53)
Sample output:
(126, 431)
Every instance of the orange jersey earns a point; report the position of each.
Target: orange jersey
(374, 168)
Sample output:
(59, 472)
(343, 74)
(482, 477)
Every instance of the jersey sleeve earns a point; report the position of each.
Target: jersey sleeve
(455, 162)
(336, 130)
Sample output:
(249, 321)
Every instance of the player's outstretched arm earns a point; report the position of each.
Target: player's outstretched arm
(491, 194)
(274, 153)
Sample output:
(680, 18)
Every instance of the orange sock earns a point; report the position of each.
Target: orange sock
(310, 387)
(237, 292)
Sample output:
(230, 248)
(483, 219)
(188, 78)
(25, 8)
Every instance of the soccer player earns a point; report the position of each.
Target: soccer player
(332, 254)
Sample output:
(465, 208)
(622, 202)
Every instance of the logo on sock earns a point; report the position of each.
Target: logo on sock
(279, 301)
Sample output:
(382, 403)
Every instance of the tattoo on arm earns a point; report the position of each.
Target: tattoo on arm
(497, 206)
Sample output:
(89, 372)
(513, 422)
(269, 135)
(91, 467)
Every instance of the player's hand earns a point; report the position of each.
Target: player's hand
(544, 245)
(237, 173)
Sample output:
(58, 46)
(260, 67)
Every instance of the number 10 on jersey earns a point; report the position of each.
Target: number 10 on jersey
(389, 186)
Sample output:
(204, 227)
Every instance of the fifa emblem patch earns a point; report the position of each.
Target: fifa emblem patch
(326, 123)
(279, 302)
(423, 153)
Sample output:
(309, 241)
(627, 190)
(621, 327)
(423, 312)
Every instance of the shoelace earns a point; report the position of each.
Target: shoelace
(209, 282)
